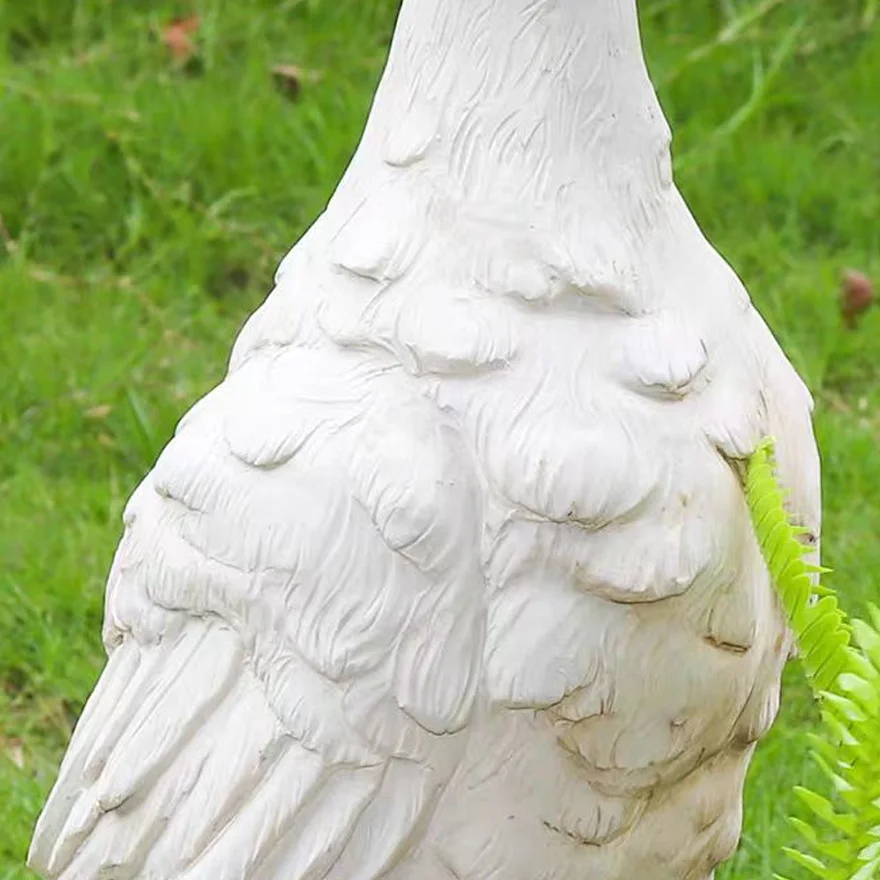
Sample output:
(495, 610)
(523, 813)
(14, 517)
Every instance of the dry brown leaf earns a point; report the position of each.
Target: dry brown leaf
(177, 35)
(14, 751)
(289, 78)
(856, 296)
(101, 411)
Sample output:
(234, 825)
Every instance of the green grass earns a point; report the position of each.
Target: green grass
(144, 207)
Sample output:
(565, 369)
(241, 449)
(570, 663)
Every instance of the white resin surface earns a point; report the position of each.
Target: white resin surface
(452, 578)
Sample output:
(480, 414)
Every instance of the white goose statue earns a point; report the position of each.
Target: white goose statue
(452, 577)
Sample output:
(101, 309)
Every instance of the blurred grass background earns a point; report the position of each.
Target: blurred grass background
(144, 203)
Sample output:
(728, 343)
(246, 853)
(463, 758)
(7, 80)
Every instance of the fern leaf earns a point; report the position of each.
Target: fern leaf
(841, 660)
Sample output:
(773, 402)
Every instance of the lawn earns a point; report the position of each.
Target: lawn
(144, 201)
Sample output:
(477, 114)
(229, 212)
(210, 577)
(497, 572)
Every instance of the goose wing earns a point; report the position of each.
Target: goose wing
(295, 623)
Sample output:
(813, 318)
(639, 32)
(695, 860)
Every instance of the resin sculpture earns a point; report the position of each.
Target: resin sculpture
(452, 577)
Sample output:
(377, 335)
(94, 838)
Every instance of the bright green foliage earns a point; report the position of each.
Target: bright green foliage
(843, 831)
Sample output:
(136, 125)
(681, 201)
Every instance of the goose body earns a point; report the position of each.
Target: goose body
(452, 577)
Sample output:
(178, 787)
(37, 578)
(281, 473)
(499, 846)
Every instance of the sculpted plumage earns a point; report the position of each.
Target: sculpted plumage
(452, 576)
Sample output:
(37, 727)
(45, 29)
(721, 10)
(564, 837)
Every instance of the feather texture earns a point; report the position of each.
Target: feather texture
(453, 576)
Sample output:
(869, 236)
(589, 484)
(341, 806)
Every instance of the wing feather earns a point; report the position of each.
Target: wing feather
(177, 709)
(247, 744)
(289, 621)
(322, 830)
(388, 822)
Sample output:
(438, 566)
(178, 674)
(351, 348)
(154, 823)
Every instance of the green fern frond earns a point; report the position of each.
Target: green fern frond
(841, 660)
